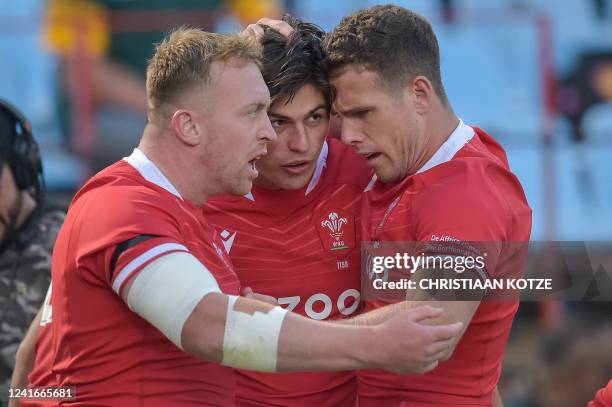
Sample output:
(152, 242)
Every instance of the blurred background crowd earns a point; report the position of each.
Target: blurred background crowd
(536, 74)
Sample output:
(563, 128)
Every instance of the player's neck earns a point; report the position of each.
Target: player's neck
(442, 127)
(439, 128)
(175, 166)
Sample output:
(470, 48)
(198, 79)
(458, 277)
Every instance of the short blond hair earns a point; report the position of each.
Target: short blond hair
(182, 60)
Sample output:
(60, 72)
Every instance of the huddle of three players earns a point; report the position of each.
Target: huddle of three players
(236, 188)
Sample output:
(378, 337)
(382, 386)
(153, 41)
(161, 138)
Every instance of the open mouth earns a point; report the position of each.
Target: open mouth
(297, 167)
(252, 163)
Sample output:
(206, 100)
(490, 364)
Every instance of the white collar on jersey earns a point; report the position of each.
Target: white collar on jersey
(455, 142)
(150, 171)
(321, 164)
(316, 176)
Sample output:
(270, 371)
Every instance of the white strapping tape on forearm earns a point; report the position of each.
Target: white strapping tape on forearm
(251, 339)
(166, 292)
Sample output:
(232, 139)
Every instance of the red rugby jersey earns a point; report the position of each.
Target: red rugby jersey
(468, 193)
(110, 354)
(603, 398)
(302, 247)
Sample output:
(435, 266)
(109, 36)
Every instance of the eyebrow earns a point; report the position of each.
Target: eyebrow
(353, 110)
(280, 116)
(257, 105)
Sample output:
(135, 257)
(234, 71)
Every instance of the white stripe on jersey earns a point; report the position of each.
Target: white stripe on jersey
(371, 184)
(150, 171)
(143, 258)
(321, 164)
(455, 142)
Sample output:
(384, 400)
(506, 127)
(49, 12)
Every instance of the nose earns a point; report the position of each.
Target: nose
(265, 132)
(349, 132)
(298, 140)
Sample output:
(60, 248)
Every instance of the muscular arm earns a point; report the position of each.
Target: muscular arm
(305, 344)
(378, 315)
(300, 342)
(242, 334)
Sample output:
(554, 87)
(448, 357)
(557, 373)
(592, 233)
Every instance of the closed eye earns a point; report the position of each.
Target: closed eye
(359, 114)
(256, 110)
(354, 113)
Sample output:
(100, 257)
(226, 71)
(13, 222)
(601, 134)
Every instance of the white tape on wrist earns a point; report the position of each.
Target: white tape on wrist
(251, 339)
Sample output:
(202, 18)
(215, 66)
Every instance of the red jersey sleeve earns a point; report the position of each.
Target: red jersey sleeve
(138, 220)
(465, 205)
(467, 210)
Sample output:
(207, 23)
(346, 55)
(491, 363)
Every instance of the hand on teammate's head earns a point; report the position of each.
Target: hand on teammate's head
(279, 25)
(256, 31)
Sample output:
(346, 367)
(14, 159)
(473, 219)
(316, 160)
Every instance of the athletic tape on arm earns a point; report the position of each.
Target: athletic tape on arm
(166, 292)
(251, 339)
